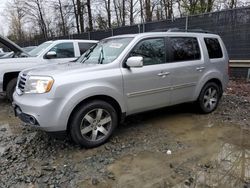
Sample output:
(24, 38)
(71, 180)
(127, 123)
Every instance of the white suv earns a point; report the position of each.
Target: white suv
(58, 51)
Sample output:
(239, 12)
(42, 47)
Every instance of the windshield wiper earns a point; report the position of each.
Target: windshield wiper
(101, 56)
(87, 55)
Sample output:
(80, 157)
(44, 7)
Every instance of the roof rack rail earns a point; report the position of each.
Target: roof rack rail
(188, 30)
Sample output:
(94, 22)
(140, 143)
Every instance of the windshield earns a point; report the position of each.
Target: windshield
(105, 51)
(39, 49)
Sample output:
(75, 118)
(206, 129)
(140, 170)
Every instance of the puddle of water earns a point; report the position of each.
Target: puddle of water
(218, 155)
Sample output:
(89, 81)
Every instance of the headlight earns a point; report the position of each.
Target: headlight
(38, 84)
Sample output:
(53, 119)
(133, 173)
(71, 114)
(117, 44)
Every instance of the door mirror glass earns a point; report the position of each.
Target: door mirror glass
(51, 55)
(135, 61)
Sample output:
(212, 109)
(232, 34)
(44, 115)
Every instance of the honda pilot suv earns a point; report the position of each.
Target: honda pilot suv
(120, 76)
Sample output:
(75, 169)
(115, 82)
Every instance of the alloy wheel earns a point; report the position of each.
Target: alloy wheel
(96, 124)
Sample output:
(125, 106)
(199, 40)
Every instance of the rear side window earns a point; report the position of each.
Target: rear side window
(84, 46)
(184, 49)
(213, 48)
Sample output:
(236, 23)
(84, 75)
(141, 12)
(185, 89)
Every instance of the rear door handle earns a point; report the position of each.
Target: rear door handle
(200, 69)
(163, 74)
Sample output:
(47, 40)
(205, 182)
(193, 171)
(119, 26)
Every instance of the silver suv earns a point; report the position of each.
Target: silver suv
(120, 76)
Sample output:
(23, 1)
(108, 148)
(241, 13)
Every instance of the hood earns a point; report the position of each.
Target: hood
(12, 46)
(61, 68)
(20, 60)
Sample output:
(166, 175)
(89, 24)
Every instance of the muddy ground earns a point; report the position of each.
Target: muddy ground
(171, 147)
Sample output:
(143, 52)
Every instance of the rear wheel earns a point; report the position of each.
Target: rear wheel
(93, 123)
(209, 97)
(10, 89)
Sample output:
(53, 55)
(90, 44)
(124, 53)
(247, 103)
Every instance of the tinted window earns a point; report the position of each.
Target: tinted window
(84, 46)
(152, 51)
(213, 48)
(64, 50)
(184, 49)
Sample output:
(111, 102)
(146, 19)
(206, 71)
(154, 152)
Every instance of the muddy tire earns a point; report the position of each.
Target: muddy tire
(209, 98)
(93, 123)
(10, 89)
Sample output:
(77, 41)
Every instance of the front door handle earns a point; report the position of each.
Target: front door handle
(200, 69)
(163, 74)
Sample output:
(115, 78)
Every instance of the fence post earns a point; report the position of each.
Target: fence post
(143, 27)
(89, 35)
(139, 28)
(112, 32)
(186, 26)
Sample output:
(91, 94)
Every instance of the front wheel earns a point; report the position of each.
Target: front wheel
(209, 98)
(93, 123)
(10, 89)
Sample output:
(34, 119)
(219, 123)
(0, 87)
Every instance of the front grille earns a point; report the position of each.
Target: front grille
(22, 81)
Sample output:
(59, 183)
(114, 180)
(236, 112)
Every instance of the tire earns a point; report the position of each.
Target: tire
(93, 123)
(10, 89)
(209, 98)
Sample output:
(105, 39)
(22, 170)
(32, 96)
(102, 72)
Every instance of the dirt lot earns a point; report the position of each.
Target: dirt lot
(171, 147)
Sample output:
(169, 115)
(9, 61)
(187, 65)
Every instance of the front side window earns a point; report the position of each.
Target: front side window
(184, 49)
(152, 51)
(64, 50)
(213, 48)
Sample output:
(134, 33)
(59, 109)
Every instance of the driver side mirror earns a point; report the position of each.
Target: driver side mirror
(136, 61)
(51, 55)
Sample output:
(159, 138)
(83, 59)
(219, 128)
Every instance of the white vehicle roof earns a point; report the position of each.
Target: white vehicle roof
(72, 40)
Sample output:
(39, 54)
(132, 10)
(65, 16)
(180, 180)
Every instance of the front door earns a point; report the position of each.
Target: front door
(147, 87)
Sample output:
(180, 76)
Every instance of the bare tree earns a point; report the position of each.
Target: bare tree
(133, 10)
(76, 16)
(62, 23)
(16, 16)
(89, 15)
(116, 7)
(35, 10)
(108, 10)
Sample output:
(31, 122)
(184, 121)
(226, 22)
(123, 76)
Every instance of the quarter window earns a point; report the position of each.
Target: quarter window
(184, 49)
(64, 50)
(152, 51)
(213, 48)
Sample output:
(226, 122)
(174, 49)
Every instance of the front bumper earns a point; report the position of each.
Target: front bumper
(40, 112)
(26, 118)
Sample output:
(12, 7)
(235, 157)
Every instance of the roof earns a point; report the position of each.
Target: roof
(73, 40)
(155, 34)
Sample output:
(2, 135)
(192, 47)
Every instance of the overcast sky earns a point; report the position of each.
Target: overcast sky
(3, 20)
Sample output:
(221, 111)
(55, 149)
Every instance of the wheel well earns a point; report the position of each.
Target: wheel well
(8, 77)
(218, 82)
(105, 98)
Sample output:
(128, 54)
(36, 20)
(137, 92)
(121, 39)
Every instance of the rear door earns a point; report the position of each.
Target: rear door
(147, 87)
(187, 62)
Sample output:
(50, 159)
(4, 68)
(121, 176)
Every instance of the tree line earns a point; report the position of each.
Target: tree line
(31, 19)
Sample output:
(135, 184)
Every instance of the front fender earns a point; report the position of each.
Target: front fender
(76, 96)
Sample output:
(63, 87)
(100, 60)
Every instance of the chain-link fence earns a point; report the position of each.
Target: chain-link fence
(232, 25)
